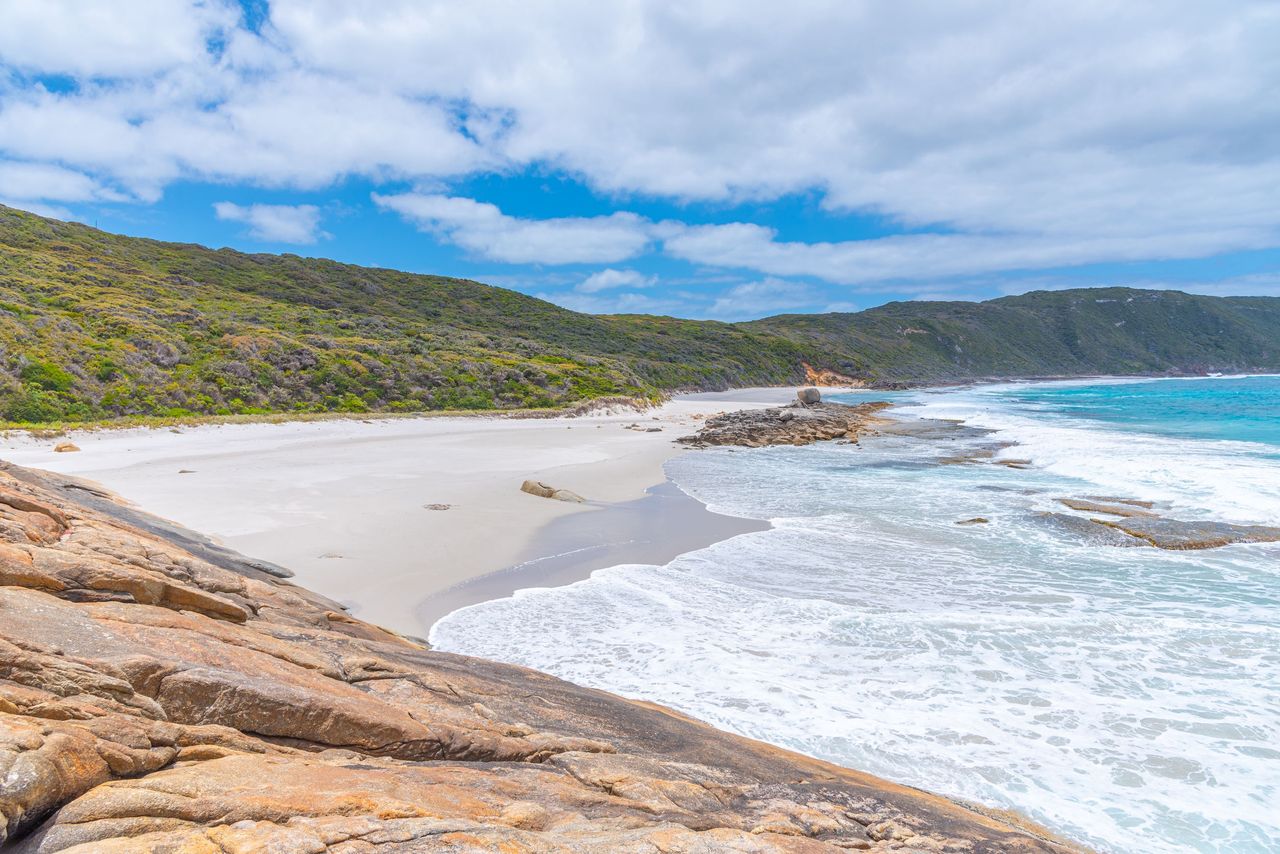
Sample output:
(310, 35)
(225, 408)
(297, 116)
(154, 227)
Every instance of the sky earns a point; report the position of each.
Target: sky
(724, 159)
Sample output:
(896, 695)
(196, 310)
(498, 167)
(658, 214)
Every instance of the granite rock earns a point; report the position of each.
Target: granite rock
(156, 695)
(797, 424)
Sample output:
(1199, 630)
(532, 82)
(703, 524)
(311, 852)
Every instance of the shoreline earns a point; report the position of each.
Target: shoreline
(652, 530)
(346, 505)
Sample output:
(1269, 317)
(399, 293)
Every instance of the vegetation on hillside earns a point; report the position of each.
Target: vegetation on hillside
(96, 326)
(1122, 331)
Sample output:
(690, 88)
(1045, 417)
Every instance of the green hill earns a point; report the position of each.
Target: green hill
(98, 326)
(1044, 333)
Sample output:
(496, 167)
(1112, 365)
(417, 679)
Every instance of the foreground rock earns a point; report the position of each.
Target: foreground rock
(157, 694)
(797, 424)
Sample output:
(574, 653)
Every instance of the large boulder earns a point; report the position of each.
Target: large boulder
(809, 396)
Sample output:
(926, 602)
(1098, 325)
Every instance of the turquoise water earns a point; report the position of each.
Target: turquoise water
(1244, 409)
(1127, 697)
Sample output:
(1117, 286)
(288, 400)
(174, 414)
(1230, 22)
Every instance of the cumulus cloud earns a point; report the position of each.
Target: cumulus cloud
(627, 302)
(93, 39)
(1021, 135)
(482, 228)
(610, 278)
(25, 180)
(917, 256)
(758, 299)
(275, 223)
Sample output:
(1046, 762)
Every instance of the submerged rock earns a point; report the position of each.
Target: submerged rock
(1126, 509)
(1136, 524)
(153, 700)
(797, 424)
(1177, 535)
(1090, 530)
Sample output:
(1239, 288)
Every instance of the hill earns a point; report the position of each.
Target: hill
(1044, 333)
(99, 326)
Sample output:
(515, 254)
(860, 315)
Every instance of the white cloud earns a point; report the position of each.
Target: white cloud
(917, 256)
(38, 208)
(485, 230)
(92, 38)
(23, 180)
(758, 299)
(739, 301)
(627, 302)
(1029, 134)
(610, 278)
(275, 223)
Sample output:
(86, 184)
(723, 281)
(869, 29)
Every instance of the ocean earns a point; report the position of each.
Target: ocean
(1126, 697)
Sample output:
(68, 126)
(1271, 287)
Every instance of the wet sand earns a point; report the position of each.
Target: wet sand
(655, 529)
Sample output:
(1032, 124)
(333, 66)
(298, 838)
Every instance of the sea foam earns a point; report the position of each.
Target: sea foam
(1126, 697)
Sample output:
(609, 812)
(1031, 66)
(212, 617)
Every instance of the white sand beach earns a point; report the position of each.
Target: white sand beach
(344, 503)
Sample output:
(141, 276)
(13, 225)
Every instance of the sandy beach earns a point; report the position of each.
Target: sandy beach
(345, 504)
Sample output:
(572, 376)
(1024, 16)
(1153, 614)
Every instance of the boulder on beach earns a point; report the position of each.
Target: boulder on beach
(542, 490)
(65, 448)
(809, 396)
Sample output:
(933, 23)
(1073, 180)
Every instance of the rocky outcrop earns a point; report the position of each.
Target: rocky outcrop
(797, 424)
(827, 377)
(1125, 509)
(1136, 523)
(1179, 535)
(160, 695)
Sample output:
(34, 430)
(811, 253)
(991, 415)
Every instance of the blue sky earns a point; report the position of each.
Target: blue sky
(702, 159)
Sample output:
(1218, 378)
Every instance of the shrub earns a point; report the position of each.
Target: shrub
(32, 406)
(47, 376)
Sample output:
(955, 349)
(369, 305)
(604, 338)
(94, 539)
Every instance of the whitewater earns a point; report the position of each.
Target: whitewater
(1126, 697)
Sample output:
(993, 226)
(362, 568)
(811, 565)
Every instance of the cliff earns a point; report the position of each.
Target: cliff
(158, 693)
